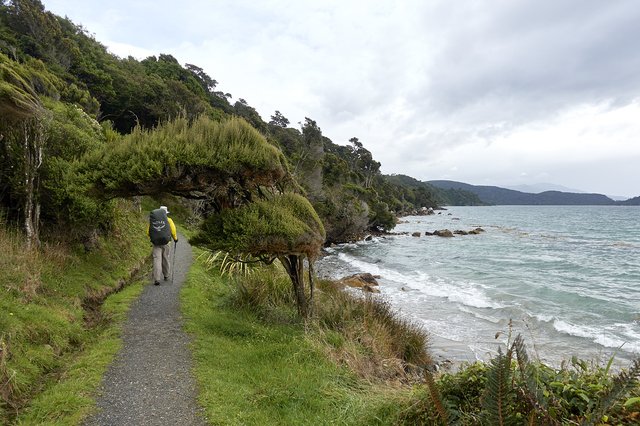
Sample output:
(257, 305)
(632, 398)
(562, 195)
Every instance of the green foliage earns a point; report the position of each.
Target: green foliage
(498, 396)
(267, 293)
(242, 109)
(65, 133)
(512, 390)
(203, 159)
(42, 320)
(281, 225)
(622, 386)
(228, 264)
(22, 85)
(71, 134)
(345, 214)
(279, 120)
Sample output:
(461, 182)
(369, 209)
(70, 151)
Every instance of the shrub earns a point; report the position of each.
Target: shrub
(513, 390)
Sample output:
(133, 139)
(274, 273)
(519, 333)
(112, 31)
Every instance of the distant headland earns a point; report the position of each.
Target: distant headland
(494, 195)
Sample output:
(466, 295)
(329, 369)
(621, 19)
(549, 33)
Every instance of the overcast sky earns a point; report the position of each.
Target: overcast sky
(493, 92)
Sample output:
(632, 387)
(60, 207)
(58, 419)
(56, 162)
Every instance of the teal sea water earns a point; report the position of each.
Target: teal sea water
(566, 277)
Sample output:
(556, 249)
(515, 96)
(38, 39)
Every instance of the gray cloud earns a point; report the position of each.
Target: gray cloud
(537, 57)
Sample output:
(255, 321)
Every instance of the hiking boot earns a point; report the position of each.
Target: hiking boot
(156, 283)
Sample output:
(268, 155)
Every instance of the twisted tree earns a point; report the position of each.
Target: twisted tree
(283, 227)
(228, 163)
(243, 178)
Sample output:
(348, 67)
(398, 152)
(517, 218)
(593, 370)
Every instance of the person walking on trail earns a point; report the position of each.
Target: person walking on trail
(161, 230)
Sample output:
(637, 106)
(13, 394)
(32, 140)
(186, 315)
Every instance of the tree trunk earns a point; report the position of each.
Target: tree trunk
(294, 265)
(33, 137)
(311, 283)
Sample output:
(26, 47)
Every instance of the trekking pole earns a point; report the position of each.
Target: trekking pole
(173, 263)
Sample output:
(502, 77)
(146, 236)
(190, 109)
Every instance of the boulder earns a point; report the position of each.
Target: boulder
(359, 280)
(460, 232)
(415, 234)
(427, 233)
(425, 211)
(369, 289)
(443, 233)
(476, 231)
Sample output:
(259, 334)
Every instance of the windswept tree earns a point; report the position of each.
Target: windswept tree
(225, 163)
(243, 179)
(277, 119)
(283, 227)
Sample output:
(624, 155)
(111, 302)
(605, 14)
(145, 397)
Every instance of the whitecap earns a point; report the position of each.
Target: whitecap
(479, 316)
(575, 330)
(463, 293)
(604, 337)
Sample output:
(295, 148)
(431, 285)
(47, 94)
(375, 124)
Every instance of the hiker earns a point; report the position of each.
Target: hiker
(161, 230)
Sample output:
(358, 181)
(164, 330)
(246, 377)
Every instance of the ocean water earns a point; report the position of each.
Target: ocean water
(565, 277)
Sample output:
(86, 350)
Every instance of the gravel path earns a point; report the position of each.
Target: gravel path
(150, 381)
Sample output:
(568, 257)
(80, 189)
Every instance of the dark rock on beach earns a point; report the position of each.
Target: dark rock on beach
(443, 233)
(360, 281)
(447, 233)
(476, 231)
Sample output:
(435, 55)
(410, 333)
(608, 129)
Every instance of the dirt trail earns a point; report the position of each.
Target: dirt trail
(150, 381)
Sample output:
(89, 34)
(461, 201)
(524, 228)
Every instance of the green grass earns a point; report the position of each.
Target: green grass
(50, 361)
(71, 398)
(252, 372)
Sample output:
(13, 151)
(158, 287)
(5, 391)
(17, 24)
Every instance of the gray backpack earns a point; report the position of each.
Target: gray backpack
(159, 229)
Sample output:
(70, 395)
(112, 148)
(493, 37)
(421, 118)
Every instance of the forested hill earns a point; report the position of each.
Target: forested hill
(61, 90)
(501, 196)
(635, 201)
(443, 196)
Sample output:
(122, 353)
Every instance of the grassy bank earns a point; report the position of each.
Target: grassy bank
(257, 365)
(54, 346)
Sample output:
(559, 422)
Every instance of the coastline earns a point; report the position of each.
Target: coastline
(565, 286)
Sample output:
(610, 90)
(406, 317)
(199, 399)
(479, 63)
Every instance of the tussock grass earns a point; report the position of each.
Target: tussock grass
(255, 368)
(362, 332)
(267, 293)
(42, 320)
(365, 333)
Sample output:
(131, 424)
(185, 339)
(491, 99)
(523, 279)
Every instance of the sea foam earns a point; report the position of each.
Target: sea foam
(463, 293)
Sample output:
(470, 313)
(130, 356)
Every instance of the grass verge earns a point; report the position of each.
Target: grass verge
(50, 358)
(259, 367)
(71, 398)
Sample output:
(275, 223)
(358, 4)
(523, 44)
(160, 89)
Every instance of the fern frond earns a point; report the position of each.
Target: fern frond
(436, 399)
(622, 384)
(530, 390)
(495, 400)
